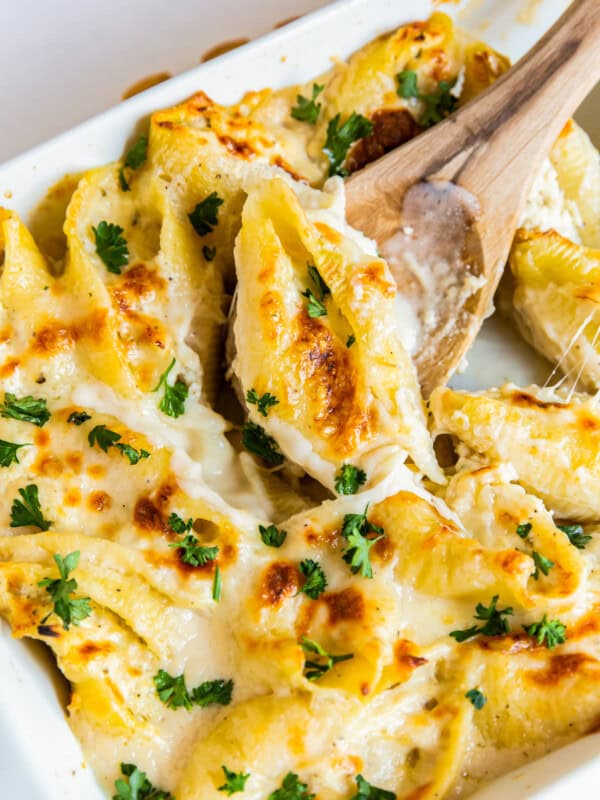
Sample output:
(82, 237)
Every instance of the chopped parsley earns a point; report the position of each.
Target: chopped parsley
(407, 84)
(339, 138)
(576, 536)
(78, 418)
(542, 564)
(27, 510)
(262, 403)
(315, 276)
(192, 552)
(111, 246)
(307, 110)
(9, 452)
(271, 535)
(217, 584)
(368, 792)
(494, 618)
(313, 670)
(357, 530)
(173, 692)
(477, 698)
(209, 253)
(350, 340)
(136, 156)
(292, 789)
(205, 216)
(256, 440)
(314, 306)
(103, 437)
(349, 479)
(439, 104)
(70, 610)
(550, 632)
(524, 529)
(137, 786)
(234, 781)
(213, 693)
(316, 582)
(26, 409)
(173, 401)
(179, 525)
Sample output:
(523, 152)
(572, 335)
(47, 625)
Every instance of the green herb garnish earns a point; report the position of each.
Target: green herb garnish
(26, 409)
(477, 698)
(314, 306)
(291, 789)
(78, 418)
(313, 670)
(407, 84)
(542, 564)
(307, 110)
(256, 440)
(174, 694)
(137, 786)
(234, 781)
(272, 536)
(339, 138)
(111, 246)
(495, 620)
(550, 632)
(9, 452)
(179, 525)
(357, 530)
(193, 553)
(173, 401)
(28, 510)
(262, 403)
(316, 582)
(322, 289)
(136, 156)
(368, 792)
(577, 537)
(349, 479)
(70, 610)
(524, 529)
(217, 585)
(350, 340)
(209, 253)
(205, 216)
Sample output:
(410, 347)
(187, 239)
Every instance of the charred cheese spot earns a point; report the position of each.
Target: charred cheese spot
(149, 517)
(55, 336)
(562, 667)
(96, 471)
(280, 580)
(99, 501)
(375, 274)
(89, 650)
(345, 606)
(48, 466)
(589, 423)
(74, 461)
(526, 400)
(9, 367)
(41, 438)
(405, 659)
(72, 497)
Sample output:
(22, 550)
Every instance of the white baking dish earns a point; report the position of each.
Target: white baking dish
(40, 759)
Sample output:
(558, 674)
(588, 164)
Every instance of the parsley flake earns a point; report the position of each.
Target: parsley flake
(368, 792)
(524, 529)
(271, 535)
(132, 454)
(9, 452)
(407, 84)
(292, 789)
(136, 156)
(256, 440)
(137, 786)
(314, 306)
(477, 698)
(173, 401)
(70, 610)
(349, 479)
(103, 437)
(28, 510)
(439, 104)
(313, 670)
(316, 582)
(205, 216)
(350, 340)
(234, 781)
(192, 552)
(315, 276)
(179, 525)
(78, 417)
(576, 536)
(542, 564)
(173, 692)
(357, 530)
(339, 138)
(262, 403)
(111, 246)
(209, 253)
(550, 632)
(26, 409)
(495, 622)
(307, 110)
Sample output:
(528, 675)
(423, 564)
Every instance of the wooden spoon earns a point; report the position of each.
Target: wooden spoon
(449, 200)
